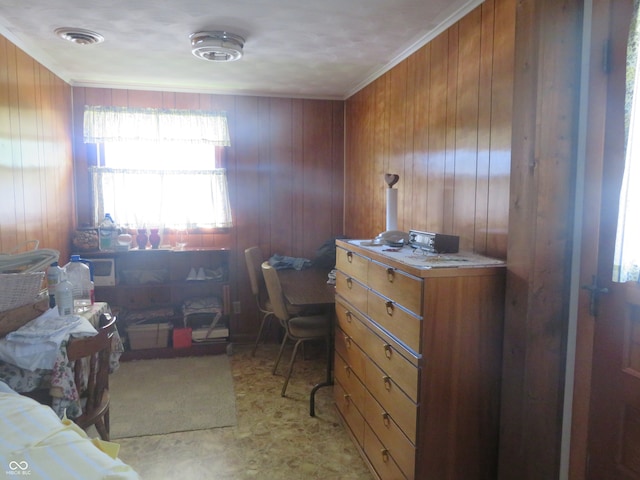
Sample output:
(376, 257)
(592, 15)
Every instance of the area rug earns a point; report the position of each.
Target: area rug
(154, 397)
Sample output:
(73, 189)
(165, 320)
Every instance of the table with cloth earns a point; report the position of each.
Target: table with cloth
(35, 356)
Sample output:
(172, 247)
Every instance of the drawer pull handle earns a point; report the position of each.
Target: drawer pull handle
(387, 382)
(347, 341)
(389, 306)
(347, 398)
(386, 419)
(347, 369)
(350, 257)
(385, 455)
(390, 274)
(349, 316)
(349, 283)
(387, 350)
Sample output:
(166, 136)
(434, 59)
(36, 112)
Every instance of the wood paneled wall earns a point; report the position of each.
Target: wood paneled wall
(441, 119)
(36, 166)
(285, 170)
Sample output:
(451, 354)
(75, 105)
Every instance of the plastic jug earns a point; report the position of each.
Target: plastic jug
(79, 275)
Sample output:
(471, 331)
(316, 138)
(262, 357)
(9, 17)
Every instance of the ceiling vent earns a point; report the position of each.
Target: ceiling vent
(217, 46)
(79, 35)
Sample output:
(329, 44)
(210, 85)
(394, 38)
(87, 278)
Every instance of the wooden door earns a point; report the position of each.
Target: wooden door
(614, 437)
(612, 430)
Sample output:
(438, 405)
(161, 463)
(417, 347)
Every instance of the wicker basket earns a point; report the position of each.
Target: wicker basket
(11, 320)
(18, 289)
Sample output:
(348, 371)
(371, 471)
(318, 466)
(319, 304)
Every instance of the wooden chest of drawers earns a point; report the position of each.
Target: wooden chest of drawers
(418, 364)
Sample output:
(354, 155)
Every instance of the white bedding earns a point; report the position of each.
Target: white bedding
(34, 442)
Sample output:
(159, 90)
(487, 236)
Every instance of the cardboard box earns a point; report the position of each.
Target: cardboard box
(181, 337)
(154, 335)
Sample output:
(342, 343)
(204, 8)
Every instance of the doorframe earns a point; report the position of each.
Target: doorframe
(591, 152)
(574, 435)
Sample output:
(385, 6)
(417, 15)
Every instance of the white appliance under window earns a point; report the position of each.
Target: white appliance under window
(104, 272)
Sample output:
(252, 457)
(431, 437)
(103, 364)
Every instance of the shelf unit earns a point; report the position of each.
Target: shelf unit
(154, 280)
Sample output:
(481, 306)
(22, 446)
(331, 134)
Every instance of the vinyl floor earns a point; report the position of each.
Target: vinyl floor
(275, 439)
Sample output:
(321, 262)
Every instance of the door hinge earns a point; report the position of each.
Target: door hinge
(594, 295)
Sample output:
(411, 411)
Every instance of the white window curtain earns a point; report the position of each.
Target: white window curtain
(112, 124)
(165, 198)
(160, 198)
(627, 252)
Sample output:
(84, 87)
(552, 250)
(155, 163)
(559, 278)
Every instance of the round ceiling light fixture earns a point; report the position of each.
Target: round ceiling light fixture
(217, 46)
(79, 35)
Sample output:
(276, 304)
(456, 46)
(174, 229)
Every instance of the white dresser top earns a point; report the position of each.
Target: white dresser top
(426, 260)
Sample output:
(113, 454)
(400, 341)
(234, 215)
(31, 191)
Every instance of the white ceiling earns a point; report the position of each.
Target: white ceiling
(294, 48)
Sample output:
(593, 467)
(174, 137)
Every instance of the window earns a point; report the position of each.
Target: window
(627, 254)
(158, 167)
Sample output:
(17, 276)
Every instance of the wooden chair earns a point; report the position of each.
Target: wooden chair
(298, 327)
(90, 358)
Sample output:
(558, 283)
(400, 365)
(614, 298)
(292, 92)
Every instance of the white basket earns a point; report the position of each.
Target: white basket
(18, 289)
(31, 261)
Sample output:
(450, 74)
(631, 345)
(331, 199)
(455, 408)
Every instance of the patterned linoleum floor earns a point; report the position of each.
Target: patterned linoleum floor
(275, 439)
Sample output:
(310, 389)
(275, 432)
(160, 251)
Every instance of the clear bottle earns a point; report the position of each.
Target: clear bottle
(64, 296)
(54, 277)
(79, 275)
(107, 233)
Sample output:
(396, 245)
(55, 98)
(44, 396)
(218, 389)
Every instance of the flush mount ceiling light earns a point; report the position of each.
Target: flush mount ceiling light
(217, 46)
(79, 35)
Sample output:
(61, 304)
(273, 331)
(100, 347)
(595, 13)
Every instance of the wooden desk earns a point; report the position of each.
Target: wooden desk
(306, 288)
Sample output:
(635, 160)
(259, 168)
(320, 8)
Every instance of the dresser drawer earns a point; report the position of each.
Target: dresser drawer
(384, 389)
(380, 457)
(352, 290)
(398, 286)
(390, 359)
(390, 356)
(352, 264)
(350, 352)
(399, 322)
(350, 321)
(350, 382)
(391, 436)
(350, 414)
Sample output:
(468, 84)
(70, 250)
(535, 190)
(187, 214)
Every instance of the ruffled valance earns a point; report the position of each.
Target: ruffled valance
(123, 124)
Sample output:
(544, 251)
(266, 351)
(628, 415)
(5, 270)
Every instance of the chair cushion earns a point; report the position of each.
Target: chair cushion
(316, 326)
